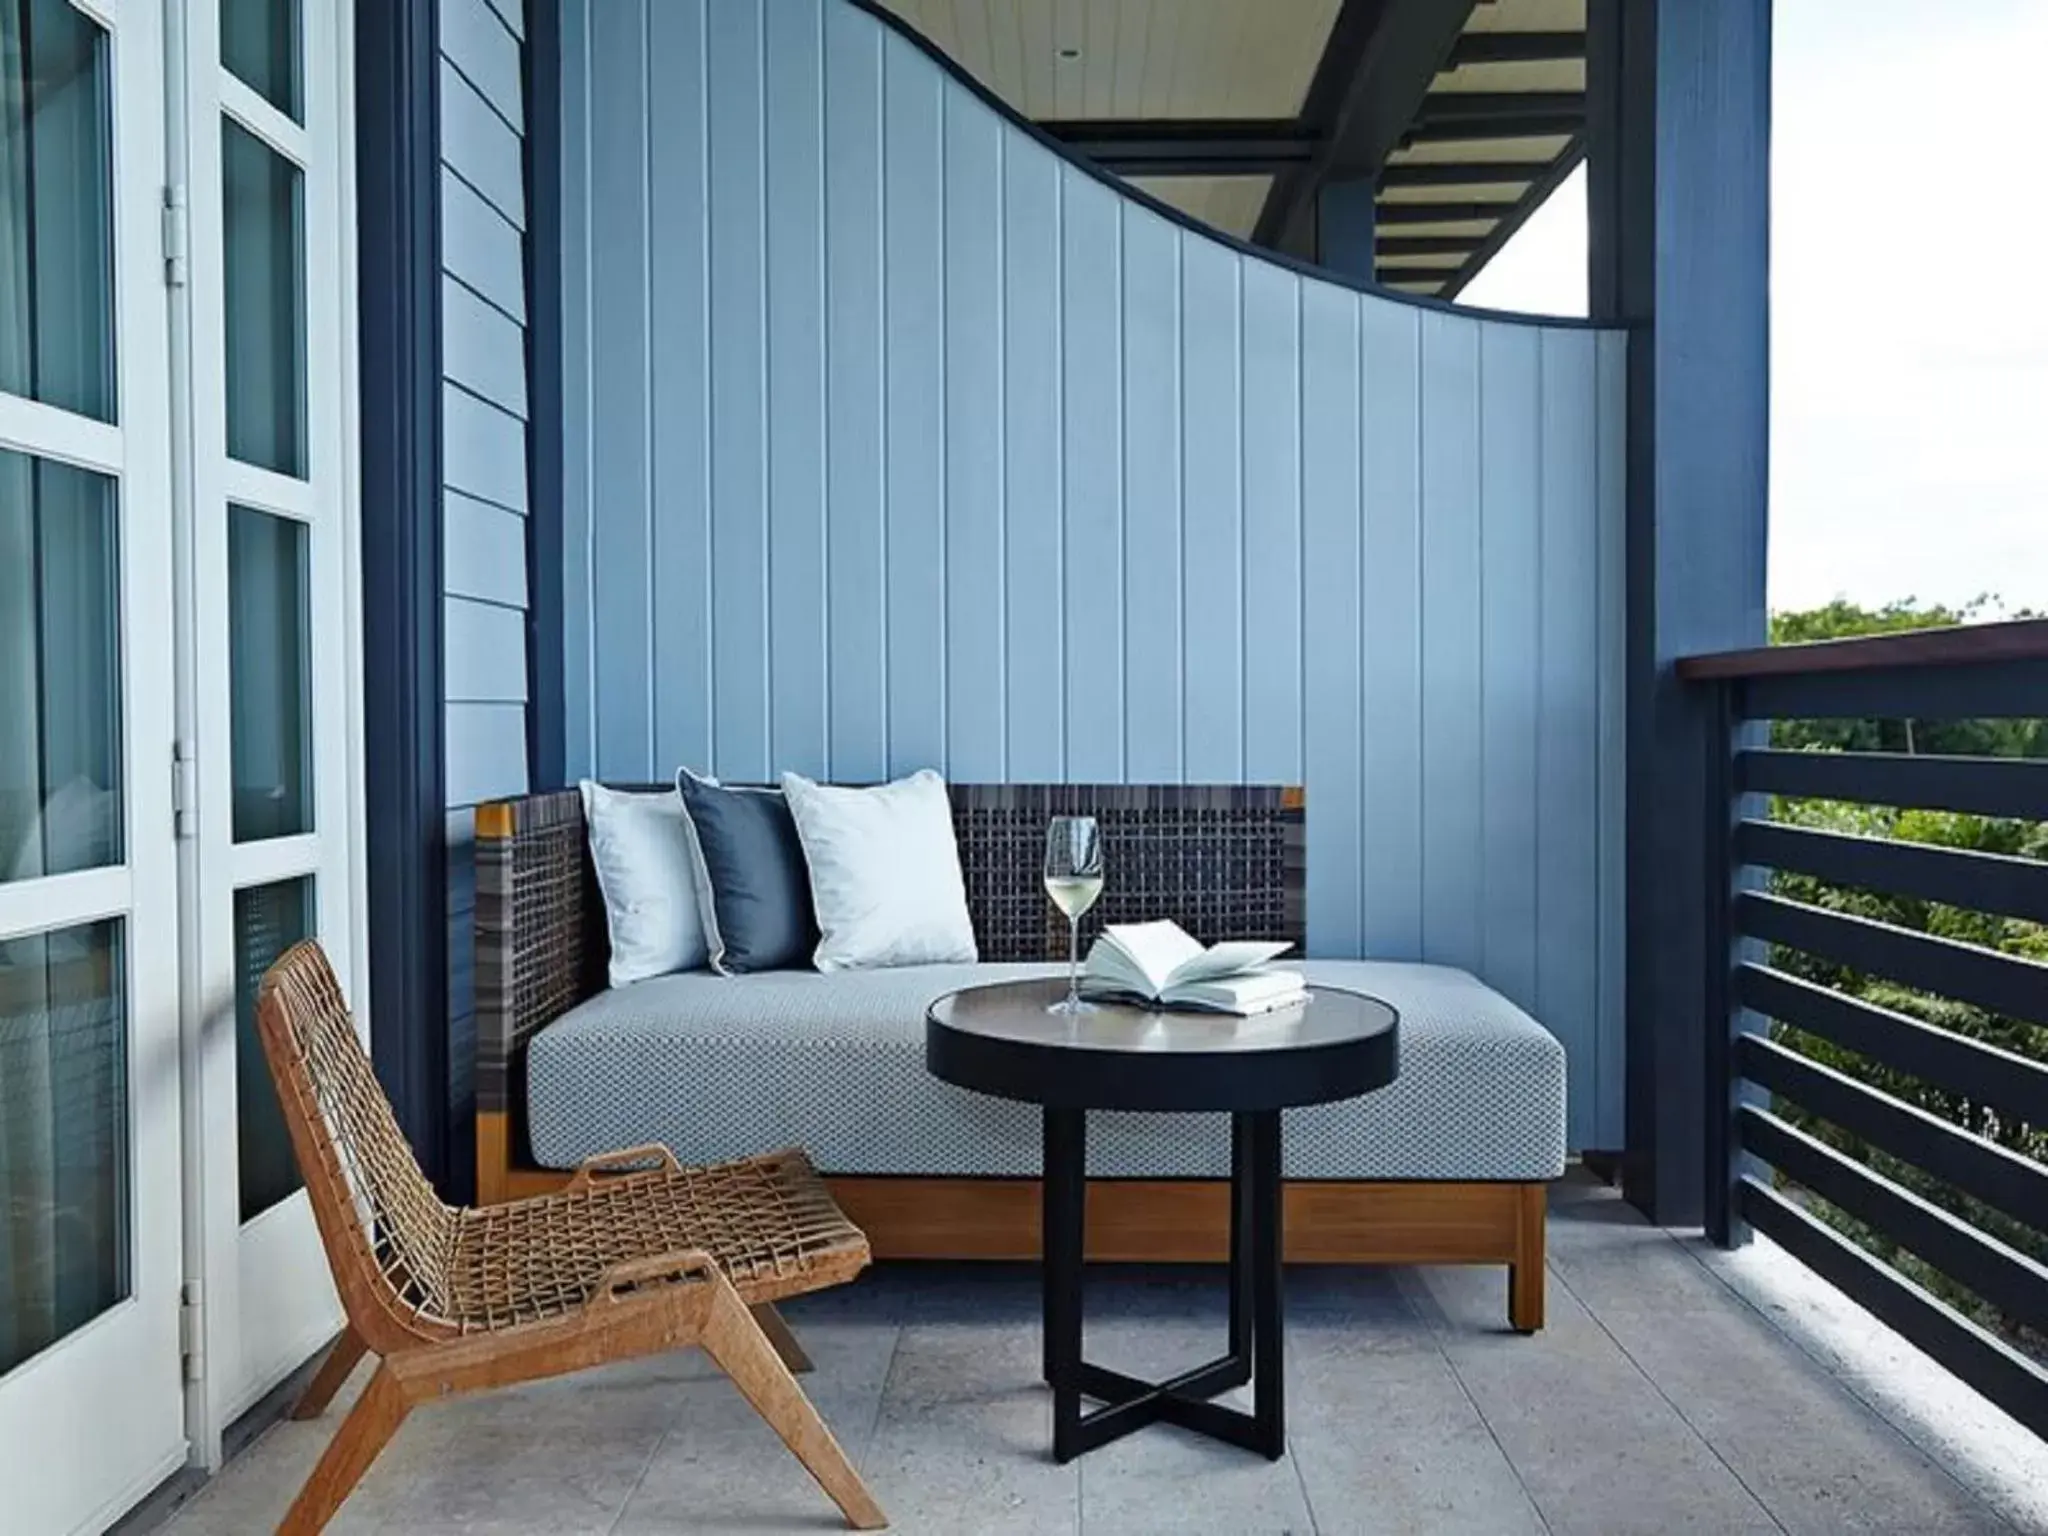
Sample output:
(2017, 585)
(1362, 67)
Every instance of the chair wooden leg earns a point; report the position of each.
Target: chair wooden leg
(367, 1430)
(780, 1334)
(334, 1370)
(744, 1352)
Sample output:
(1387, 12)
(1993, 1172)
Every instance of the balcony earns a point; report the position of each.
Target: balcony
(411, 410)
(1676, 1387)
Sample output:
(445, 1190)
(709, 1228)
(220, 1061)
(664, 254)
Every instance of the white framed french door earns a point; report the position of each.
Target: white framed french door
(91, 1405)
(269, 719)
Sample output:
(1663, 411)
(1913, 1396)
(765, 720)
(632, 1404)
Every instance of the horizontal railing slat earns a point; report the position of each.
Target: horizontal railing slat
(1978, 1167)
(1987, 1363)
(1981, 786)
(1962, 877)
(2002, 983)
(2003, 1276)
(2010, 1083)
(1991, 691)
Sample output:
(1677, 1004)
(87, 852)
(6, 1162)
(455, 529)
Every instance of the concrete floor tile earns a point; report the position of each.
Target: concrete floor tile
(1594, 1442)
(1155, 1324)
(254, 1490)
(724, 1469)
(253, 1493)
(1998, 1460)
(985, 1295)
(1389, 1442)
(1152, 1325)
(1817, 1458)
(880, 1294)
(568, 1479)
(946, 1475)
(721, 1468)
(964, 1439)
(1357, 1302)
(1163, 1479)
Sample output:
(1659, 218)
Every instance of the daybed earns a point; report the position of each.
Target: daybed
(1448, 1165)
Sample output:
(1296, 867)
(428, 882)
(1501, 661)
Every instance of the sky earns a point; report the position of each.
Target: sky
(1909, 300)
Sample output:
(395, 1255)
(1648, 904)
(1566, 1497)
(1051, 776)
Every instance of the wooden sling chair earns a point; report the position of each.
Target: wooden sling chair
(629, 1260)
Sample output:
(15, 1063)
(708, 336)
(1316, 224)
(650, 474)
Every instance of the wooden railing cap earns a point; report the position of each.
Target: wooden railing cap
(1953, 646)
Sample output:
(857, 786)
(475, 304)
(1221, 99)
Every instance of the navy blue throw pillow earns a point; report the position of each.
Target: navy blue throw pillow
(753, 886)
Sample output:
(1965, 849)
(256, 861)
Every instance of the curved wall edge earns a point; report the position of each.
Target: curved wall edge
(988, 98)
(894, 437)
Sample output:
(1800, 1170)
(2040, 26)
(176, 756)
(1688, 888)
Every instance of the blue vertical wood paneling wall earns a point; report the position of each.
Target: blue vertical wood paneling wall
(483, 426)
(895, 440)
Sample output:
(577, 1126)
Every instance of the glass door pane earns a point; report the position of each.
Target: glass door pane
(56, 209)
(63, 1135)
(259, 44)
(60, 694)
(64, 1249)
(269, 675)
(264, 257)
(269, 919)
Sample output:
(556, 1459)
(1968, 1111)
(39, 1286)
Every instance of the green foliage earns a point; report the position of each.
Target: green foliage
(2012, 838)
(1843, 620)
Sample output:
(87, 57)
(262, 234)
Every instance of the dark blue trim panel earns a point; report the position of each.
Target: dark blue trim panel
(399, 282)
(546, 707)
(1678, 197)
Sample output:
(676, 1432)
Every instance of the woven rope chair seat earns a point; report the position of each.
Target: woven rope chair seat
(768, 1222)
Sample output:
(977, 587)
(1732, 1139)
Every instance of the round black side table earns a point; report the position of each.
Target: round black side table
(1002, 1040)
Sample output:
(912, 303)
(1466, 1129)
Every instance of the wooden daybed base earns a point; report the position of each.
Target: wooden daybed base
(1162, 1221)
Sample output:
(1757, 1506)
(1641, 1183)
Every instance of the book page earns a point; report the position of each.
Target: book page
(1225, 959)
(1155, 950)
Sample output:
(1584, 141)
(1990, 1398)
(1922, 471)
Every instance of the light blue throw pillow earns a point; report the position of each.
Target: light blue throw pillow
(885, 872)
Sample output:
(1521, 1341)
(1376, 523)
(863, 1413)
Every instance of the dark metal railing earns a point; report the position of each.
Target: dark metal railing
(1897, 1153)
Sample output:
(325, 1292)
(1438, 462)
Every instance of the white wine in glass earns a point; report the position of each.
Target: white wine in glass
(1073, 894)
(1073, 879)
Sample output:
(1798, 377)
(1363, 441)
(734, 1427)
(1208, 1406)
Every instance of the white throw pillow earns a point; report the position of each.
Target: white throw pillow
(885, 872)
(640, 844)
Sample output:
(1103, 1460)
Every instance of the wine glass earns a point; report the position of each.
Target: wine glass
(1073, 879)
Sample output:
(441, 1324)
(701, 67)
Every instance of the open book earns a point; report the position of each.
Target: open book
(1161, 964)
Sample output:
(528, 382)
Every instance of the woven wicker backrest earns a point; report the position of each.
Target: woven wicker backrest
(388, 1236)
(1225, 861)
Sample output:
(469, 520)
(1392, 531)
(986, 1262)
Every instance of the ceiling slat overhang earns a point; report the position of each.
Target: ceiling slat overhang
(1465, 114)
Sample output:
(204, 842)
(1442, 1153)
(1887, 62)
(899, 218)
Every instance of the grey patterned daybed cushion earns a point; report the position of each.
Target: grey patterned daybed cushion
(721, 1067)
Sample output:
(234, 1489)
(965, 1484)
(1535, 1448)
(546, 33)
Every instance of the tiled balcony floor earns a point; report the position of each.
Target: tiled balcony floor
(1675, 1389)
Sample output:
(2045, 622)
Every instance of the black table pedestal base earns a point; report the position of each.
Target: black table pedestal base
(1255, 1343)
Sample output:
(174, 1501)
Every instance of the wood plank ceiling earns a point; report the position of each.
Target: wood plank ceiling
(1235, 111)
(1137, 61)
(1459, 184)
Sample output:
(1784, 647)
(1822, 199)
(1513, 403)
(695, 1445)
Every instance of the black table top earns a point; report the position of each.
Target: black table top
(1002, 1040)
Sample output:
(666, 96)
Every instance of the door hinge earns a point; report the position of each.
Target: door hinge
(184, 790)
(177, 249)
(192, 1331)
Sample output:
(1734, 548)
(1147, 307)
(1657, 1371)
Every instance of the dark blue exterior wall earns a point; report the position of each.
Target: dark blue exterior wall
(1679, 199)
